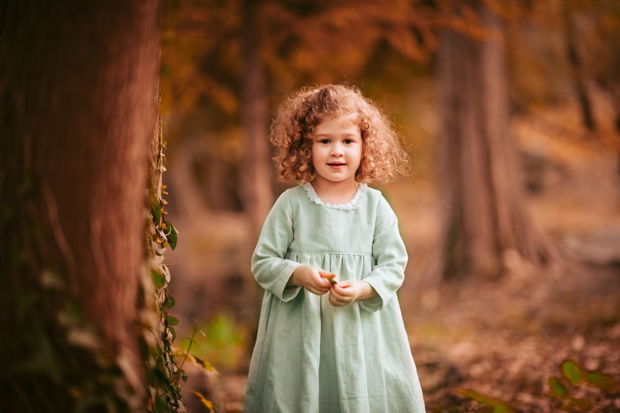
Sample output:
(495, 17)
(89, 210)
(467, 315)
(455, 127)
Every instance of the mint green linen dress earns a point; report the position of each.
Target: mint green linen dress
(312, 357)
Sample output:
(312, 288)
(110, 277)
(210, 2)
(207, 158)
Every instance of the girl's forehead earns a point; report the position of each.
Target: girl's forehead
(339, 121)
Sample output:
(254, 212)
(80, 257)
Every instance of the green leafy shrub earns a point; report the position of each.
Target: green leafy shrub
(222, 340)
(495, 405)
(562, 390)
(573, 377)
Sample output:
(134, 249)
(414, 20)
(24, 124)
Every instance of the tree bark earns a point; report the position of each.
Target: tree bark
(257, 194)
(77, 109)
(577, 71)
(256, 176)
(483, 213)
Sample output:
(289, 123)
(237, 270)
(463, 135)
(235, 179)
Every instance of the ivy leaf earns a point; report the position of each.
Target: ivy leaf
(169, 302)
(158, 278)
(571, 371)
(499, 406)
(156, 211)
(557, 388)
(603, 381)
(172, 238)
(172, 321)
(479, 397)
(579, 404)
(502, 408)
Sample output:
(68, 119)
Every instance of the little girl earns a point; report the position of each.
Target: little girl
(330, 258)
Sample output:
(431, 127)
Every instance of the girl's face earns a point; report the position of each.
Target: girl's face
(337, 148)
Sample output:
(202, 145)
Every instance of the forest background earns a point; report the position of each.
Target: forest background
(501, 326)
(510, 111)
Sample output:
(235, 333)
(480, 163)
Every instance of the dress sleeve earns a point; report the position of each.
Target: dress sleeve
(269, 267)
(390, 258)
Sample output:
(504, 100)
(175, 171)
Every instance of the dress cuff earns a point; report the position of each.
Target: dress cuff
(284, 292)
(375, 303)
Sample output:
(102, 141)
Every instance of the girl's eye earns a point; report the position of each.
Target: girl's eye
(347, 141)
(324, 141)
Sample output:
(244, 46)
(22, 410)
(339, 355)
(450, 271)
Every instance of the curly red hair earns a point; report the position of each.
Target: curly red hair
(383, 155)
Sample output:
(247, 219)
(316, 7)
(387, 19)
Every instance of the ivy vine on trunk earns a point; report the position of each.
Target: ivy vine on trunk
(163, 374)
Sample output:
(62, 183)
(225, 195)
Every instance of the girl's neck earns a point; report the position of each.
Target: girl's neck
(335, 192)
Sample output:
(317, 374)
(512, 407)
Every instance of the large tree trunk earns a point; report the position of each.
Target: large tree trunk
(77, 109)
(257, 194)
(479, 186)
(256, 176)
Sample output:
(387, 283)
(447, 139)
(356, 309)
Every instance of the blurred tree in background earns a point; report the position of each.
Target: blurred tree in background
(479, 177)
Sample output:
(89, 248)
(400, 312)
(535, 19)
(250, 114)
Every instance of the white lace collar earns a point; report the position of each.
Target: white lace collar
(352, 204)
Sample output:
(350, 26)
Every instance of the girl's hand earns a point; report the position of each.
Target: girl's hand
(310, 278)
(346, 292)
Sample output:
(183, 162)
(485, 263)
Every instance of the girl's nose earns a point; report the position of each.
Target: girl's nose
(337, 149)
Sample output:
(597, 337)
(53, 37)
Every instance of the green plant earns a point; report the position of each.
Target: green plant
(165, 361)
(222, 339)
(562, 389)
(186, 355)
(574, 376)
(163, 374)
(496, 405)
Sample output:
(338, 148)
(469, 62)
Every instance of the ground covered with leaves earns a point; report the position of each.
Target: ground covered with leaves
(533, 344)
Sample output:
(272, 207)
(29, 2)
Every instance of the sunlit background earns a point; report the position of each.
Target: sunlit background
(478, 339)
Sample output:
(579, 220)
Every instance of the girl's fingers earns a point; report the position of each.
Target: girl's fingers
(345, 284)
(345, 294)
(312, 289)
(334, 294)
(321, 281)
(335, 302)
(323, 287)
(317, 289)
(337, 299)
(324, 283)
(341, 291)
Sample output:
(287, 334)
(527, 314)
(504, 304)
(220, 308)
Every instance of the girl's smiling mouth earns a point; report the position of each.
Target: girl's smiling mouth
(336, 164)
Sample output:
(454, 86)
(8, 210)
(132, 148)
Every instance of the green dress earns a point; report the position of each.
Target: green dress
(312, 357)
